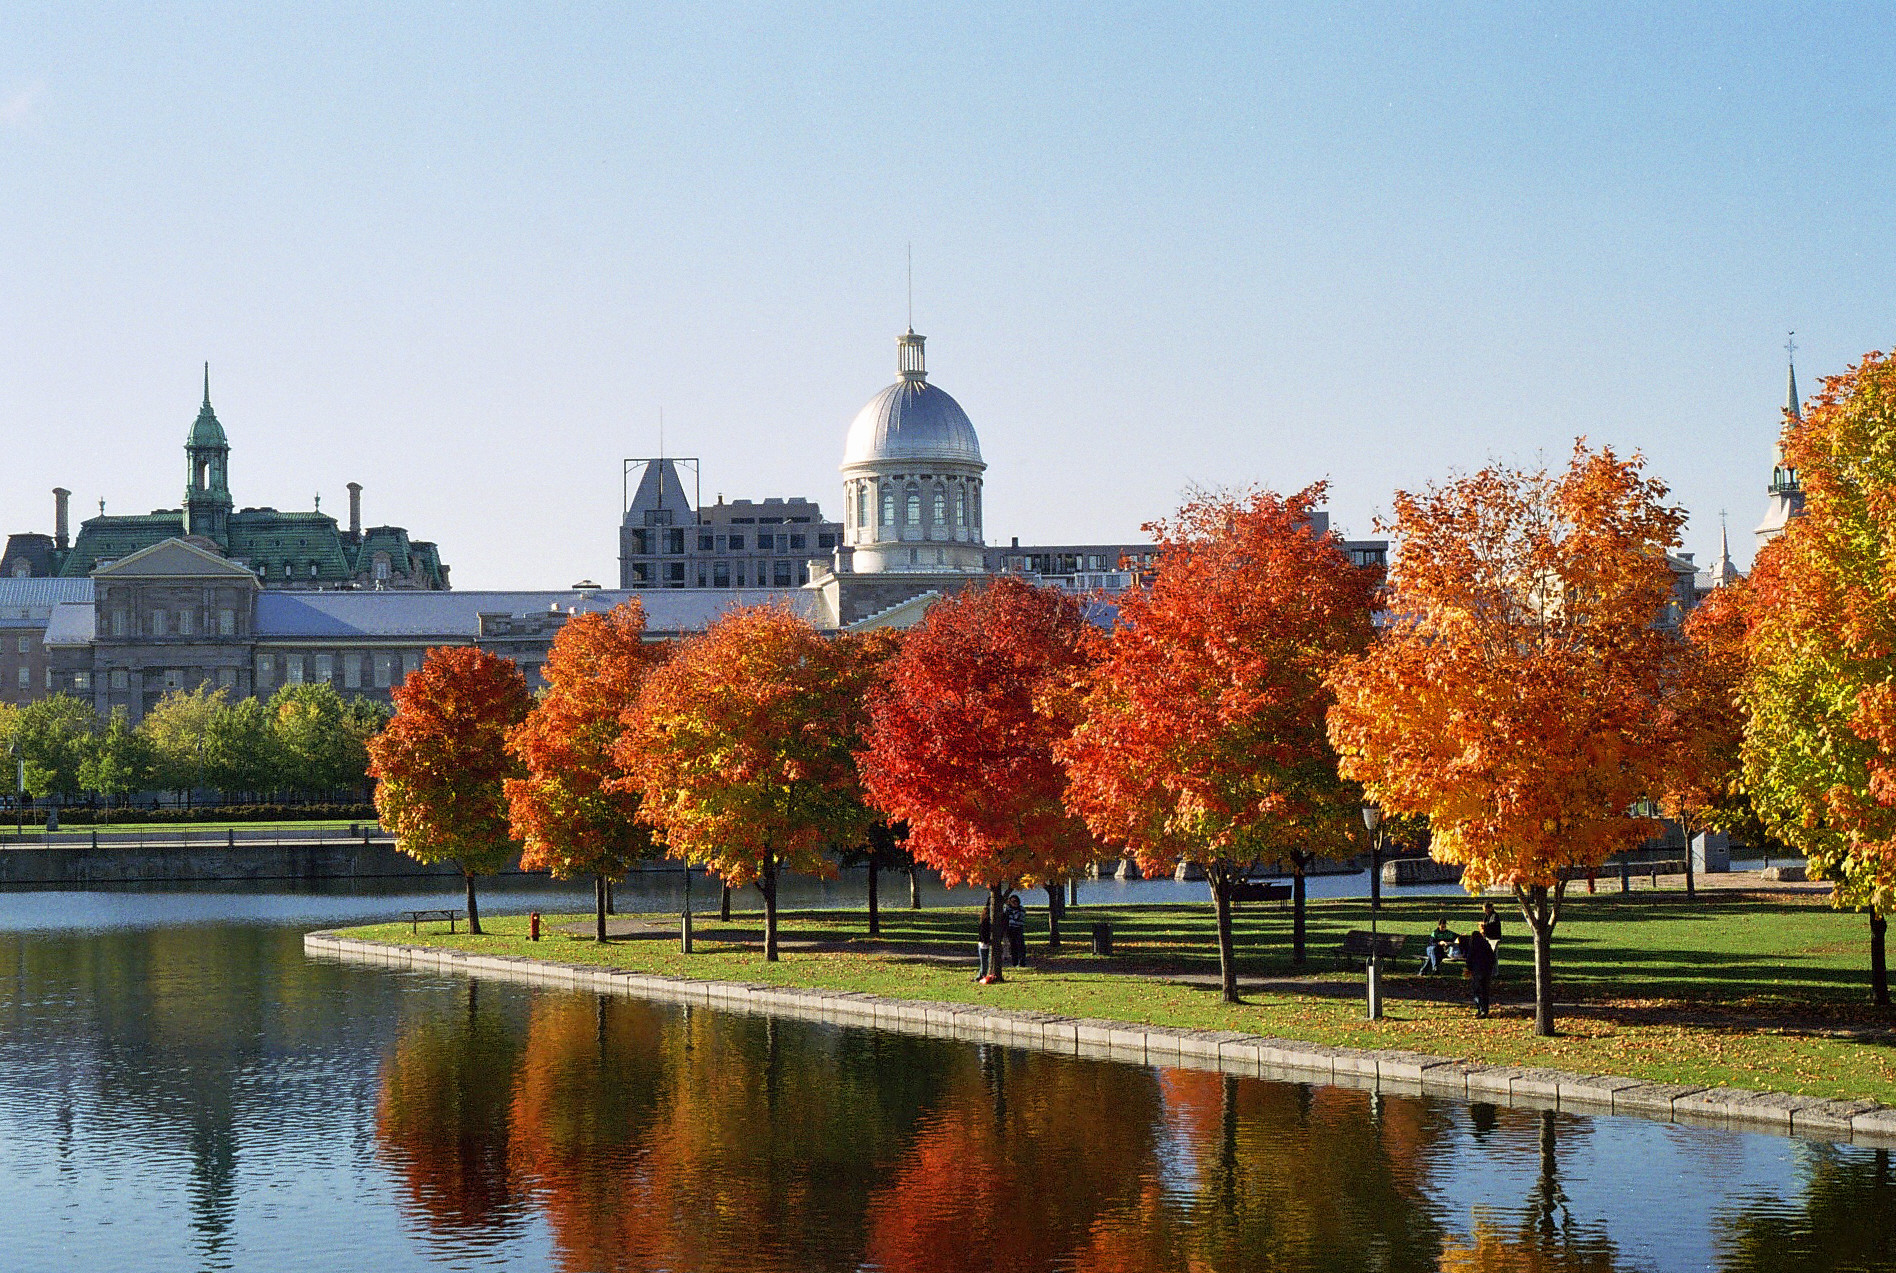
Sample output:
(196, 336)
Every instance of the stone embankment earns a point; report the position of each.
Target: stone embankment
(1409, 1073)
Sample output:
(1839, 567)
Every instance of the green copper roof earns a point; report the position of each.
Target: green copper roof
(207, 431)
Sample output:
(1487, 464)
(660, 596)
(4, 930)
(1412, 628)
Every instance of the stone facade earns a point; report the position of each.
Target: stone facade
(666, 542)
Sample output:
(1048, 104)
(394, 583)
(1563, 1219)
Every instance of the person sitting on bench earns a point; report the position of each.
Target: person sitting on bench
(1441, 942)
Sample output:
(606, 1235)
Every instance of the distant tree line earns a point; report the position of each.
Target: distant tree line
(305, 742)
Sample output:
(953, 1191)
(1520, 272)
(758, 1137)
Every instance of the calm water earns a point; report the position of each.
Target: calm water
(181, 1089)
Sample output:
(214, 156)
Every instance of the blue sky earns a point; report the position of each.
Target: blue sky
(465, 254)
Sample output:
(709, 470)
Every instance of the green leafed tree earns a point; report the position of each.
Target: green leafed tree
(178, 729)
(317, 749)
(51, 737)
(117, 760)
(240, 751)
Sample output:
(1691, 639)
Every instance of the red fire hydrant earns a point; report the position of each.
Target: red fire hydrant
(533, 925)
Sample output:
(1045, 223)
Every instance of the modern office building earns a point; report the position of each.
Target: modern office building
(667, 541)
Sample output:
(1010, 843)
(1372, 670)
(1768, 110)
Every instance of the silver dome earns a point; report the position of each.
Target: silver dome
(912, 420)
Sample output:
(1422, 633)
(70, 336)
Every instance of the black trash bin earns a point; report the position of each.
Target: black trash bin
(1102, 939)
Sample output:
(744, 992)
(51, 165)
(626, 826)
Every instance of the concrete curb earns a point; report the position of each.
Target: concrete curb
(1860, 1122)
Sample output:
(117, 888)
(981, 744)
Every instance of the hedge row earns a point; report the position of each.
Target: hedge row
(80, 816)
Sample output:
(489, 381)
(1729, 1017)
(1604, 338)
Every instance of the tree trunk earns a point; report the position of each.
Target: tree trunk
(915, 888)
(997, 931)
(875, 917)
(1690, 891)
(767, 885)
(1073, 890)
(1054, 894)
(1220, 879)
(1879, 969)
(1541, 909)
(1297, 863)
(599, 909)
(473, 911)
(724, 905)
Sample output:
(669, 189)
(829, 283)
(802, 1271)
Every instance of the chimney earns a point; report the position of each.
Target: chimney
(355, 509)
(62, 534)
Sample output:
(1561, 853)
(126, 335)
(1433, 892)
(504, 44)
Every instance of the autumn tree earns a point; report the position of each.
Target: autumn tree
(1820, 750)
(1518, 694)
(1202, 736)
(1703, 786)
(741, 751)
(563, 811)
(441, 763)
(962, 737)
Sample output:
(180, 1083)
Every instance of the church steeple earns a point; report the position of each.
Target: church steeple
(1786, 492)
(207, 500)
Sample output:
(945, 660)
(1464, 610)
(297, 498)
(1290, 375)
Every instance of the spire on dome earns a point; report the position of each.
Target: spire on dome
(908, 356)
(207, 386)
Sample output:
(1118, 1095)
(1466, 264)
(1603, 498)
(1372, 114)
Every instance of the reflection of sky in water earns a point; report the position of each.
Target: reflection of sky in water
(181, 1089)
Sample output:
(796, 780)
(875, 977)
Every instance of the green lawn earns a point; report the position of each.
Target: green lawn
(1728, 990)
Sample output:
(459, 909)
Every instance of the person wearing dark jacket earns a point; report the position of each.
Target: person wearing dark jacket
(1016, 916)
(1478, 955)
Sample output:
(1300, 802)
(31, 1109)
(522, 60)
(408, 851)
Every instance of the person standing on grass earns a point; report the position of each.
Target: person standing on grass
(1016, 931)
(1478, 956)
(984, 943)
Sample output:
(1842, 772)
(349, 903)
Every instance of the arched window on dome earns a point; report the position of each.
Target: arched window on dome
(862, 504)
(961, 508)
(941, 507)
(977, 506)
(914, 507)
(888, 508)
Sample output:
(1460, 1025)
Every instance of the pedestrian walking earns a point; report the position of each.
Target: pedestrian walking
(1478, 957)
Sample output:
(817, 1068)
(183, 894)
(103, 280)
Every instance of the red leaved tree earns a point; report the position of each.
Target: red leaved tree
(1203, 733)
(562, 811)
(441, 761)
(741, 750)
(961, 740)
(1520, 694)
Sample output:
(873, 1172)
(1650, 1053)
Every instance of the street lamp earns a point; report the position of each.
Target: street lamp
(1372, 822)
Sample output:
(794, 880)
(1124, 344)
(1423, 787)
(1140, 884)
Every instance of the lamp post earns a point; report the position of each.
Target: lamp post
(1372, 822)
(19, 790)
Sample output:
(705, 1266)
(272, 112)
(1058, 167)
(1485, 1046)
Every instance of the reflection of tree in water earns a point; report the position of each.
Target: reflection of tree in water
(1026, 1154)
(1282, 1176)
(443, 1116)
(1547, 1239)
(1846, 1220)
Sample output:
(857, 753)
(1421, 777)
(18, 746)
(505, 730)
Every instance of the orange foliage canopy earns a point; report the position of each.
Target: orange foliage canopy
(441, 761)
(961, 742)
(562, 811)
(1203, 732)
(742, 746)
(1518, 695)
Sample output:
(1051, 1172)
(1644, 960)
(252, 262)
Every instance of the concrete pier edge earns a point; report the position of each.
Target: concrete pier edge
(1859, 1122)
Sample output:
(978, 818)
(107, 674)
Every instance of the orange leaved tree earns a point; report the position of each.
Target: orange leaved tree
(568, 820)
(961, 739)
(1703, 787)
(1519, 694)
(741, 750)
(1203, 732)
(441, 761)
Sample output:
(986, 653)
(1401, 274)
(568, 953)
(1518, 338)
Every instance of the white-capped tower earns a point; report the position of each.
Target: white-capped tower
(912, 477)
(1786, 493)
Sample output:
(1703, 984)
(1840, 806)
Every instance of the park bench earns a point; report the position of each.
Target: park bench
(1356, 947)
(1259, 891)
(415, 917)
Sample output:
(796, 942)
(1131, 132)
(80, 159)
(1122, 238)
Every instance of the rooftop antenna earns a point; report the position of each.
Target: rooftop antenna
(661, 439)
(911, 286)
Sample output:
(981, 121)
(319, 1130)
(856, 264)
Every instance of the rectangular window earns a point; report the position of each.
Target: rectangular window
(120, 679)
(82, 681)
(780, 574)
(25, 644)
(174, 681)
(384, 671)
(796, 542)
(227, 678)
(721, 575)
(118, 623)
(826, 541)
(640, 574)
(862, 506)
(638, 544)
(411, 662)
(325, 667)
(263, 670)
(704, 543)
(26, 678)
(675, 572)
(49, 678)
(158, 623)
(674, 541)
(737, 543)
(226, 623)
(293, 669)
(185, 622)
(352, 671)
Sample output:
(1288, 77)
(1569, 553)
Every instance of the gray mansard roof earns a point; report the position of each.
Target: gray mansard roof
(455, 616)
